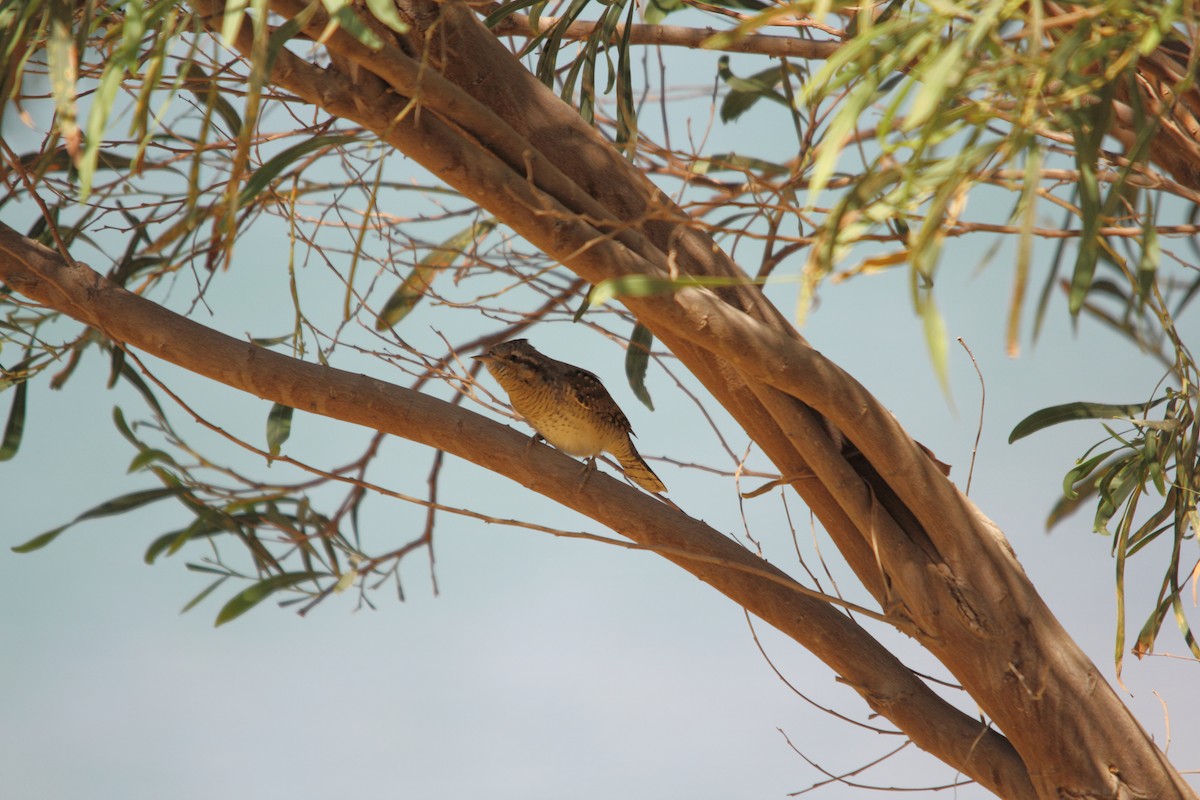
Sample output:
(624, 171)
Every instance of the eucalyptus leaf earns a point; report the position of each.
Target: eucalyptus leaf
(15, 427)
(279, 427)
(637, 361)
(118, 505)
(1070, 412)
(248, 598)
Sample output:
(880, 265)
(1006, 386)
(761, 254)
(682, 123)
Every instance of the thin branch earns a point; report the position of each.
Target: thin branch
(982, 408)
(861, 661)
(671, 36)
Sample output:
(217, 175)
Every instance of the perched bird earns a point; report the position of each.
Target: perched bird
(568, 407)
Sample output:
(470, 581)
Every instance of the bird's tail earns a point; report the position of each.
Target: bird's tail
(638, 470)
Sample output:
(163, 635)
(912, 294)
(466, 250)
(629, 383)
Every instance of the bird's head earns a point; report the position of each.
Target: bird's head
(513, 360)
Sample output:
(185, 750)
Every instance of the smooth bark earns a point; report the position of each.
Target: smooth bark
(451, 97)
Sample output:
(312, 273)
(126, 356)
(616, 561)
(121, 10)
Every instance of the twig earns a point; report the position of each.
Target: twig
(982, 405)
(673, 36)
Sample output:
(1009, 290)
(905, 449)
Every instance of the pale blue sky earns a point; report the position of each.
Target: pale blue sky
(546, 668)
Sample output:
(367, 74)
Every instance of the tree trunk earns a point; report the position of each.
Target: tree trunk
(451, 97)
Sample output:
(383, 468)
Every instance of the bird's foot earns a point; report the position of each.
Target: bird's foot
(589, 467)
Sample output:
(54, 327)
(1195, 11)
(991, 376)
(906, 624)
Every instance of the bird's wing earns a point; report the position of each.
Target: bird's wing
(587, 390)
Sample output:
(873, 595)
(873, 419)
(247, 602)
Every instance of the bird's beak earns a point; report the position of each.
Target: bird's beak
(484, 358)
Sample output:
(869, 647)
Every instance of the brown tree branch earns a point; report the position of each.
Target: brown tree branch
(940, 568)
(672, 36)
(886, 684)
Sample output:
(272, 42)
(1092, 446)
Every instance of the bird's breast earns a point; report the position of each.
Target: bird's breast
(579, 434)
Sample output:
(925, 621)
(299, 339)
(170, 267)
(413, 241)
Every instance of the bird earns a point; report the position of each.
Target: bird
(568, 407)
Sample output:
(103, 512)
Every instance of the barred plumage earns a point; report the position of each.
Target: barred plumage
(568, 407)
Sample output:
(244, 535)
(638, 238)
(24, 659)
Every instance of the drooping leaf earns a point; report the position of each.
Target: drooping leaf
(130, 376)
(342, 15)
(744, 93)
(62, 61)
(1151, 252)
(637, 285)
(937, 341)
(263, 176)
(248, 598)
(417, 283)
(1090, 126)
(102, 103)
(1026, 213)
(209, 522)
(210, 96)
(1144, 643)
(279, 427)
(271, 341)
(198, 599)
(656, 11)
(942, 73)
(118, 505)
(1069, 412)
(506, 10)
(1080, 472)
(16, 423)
(637, 360)
(385, 12)
(723, 162)
(231, 22)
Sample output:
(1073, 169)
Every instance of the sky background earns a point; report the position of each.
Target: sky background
(544, 667)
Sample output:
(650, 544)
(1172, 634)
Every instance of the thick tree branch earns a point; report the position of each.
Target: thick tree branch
(886, 684)
(904, 529)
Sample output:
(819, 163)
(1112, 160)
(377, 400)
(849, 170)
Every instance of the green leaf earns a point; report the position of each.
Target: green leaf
(1090, 126)
(206, 524)
(16, 423)
(118, 505)
(123, 428)
(1118, 482)
(130, 375)
(723, 162)
(279, 427)
(159, 546)
(147, 456)
(385, 12)
(508, 9)
(248, 598)
(415, 286)
(745, 92)
(839, 130)
(195, 601)
(263, 176)
(944, 70)
(102, 103)
(636, 285)
(207, 570)
(61, 58)
(231, 22)
(271, 341)
(937, 341)
(1080, 472)
(1026, 213)
(656, 11)
(41, 540)
(1069, 412)
(1151, 252)
(1149, 632)
(212, 97)
(343, 14)
(284, 34)
(117, 361)
(637, 360)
